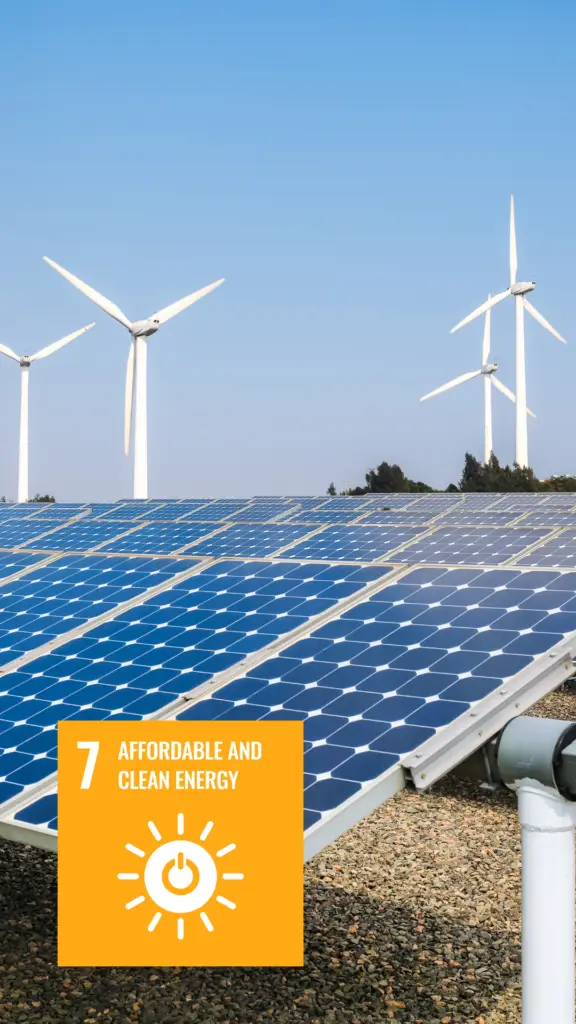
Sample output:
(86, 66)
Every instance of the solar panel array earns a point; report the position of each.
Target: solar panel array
(384, 622)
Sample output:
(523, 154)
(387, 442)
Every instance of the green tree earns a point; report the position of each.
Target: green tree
(42, 497)
(331, 490)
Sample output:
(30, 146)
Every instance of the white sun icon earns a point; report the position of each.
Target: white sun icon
(180, 876)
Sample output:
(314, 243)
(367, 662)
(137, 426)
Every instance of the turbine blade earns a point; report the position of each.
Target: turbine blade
(481, 309)
(59, 344)
(169, 311)
(502, 387)
(542, 320)
(513, 253)
(100, 300)
(486, 338)
(452, 384)
(8, 352)
(128, 397)
(509, 394)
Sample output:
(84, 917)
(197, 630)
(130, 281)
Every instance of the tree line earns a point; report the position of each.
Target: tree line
(476, 476)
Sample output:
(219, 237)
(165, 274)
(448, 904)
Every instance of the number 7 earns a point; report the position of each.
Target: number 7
(92, 747)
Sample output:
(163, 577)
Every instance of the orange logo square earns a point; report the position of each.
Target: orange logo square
(180, 844)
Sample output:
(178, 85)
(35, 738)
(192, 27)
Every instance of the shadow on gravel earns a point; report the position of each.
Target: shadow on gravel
(366, 961)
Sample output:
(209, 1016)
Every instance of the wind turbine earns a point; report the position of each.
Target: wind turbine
(519, 289)
(487, 371)
(136, 388)
(25, 363)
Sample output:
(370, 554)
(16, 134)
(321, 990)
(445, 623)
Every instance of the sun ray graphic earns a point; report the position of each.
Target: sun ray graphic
(181, 876)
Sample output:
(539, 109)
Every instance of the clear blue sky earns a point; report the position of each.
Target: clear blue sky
(347, 167)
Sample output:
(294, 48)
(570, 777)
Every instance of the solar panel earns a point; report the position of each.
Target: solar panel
(558, 552)
(321, 516)
(60, 509)
(143, 658)
(552, 517)
(490, 545)
(78, 535)
(217, 511)
(159, 538)
(23, 531)
(245, 541)
(261, 512)
(169, 512)
(12, 563)
(354, 543)
(407, 518)
(464, 517)
(376, 684)
(131, 510)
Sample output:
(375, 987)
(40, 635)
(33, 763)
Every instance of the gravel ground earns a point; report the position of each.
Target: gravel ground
(414, 915)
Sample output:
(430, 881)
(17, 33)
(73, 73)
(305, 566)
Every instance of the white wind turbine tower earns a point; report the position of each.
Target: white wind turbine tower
(136, 387)
(25, 363)
(488, 372)
(519, 290)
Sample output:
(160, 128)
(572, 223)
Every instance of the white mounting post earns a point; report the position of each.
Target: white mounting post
(537, 758)
(548, 919)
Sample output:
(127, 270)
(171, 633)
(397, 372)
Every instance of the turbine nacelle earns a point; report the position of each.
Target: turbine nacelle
(25, 361)
(488, 369)
(522, 288)
(144, 328)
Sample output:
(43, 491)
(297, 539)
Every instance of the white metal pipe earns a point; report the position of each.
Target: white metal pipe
(140, 420)
(23, 447)
(487, 417)
(548, 918)
(521, 415)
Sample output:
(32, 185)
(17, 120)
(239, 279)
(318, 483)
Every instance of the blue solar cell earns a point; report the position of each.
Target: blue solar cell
(320, 516)
(77, 535)
(216, 511)
(468, 545)
(402, 517)
(558, 552)
(13, 563)
(159, 538)
(130, 510)
(349, 543)
(250, 541)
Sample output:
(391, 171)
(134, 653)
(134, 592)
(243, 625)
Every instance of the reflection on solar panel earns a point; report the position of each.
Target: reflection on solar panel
(463, 517)
(217, 511)
(326, 516)
(169, 512)
(142, 659)
(53, 509)
(159, 538)
(81, 535)
(131, 510)
(354, 543)
(250, 541)
(490, 545)
(261, 512)
(558, 552)
(408, 517)
(379, 681)
(550, 518)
